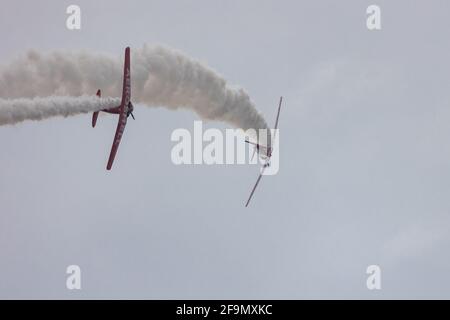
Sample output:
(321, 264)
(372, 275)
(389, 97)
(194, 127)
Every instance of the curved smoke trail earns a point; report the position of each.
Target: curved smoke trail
(160, 77)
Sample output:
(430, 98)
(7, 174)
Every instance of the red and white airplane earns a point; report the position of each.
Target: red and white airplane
(124, 110)
(264, 152)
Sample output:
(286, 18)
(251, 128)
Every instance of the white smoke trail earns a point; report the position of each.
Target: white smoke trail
(159, 76)
(16, 110)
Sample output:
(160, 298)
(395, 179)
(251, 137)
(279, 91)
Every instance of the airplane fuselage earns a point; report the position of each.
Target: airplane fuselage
(116, 110)
(264, 152)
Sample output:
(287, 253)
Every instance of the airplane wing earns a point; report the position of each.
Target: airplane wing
(118, 136)
(256, 184)
(126, 90)
(264, 167)
(278, 113)
(126, 93)
(276, 121)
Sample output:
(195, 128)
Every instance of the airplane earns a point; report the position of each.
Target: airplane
(124, 110)
(264, 152)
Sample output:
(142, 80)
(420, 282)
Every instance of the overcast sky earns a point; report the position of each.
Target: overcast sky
(364, 166)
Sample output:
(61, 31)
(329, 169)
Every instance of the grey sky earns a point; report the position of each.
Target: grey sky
(364, 174)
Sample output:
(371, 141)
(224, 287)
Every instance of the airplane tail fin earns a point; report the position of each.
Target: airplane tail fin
(95, 114)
